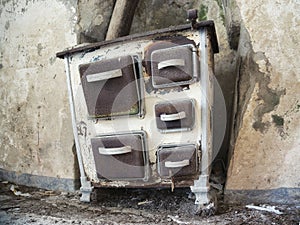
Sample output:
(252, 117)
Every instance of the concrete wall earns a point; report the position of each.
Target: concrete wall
(36, 137)
(266, 152)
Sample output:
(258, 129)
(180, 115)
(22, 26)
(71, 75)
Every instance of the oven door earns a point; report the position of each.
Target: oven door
(121, 156)
(174, 66)
(177, 160)
(174, 116)
(112, 87)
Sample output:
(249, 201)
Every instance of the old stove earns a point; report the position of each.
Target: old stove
(142, 109)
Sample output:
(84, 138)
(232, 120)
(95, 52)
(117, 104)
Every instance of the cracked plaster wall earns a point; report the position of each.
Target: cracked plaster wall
(266, 151)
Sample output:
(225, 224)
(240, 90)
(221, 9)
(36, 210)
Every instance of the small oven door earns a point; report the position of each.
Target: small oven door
(112, 87)
(174, 116)
(174, 66)
(121, 156)
(177, 160)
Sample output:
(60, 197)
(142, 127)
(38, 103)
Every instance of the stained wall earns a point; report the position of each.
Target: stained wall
(36, 141)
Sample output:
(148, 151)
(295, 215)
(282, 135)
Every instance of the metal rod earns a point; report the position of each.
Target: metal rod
(205, 114)
(73, 117)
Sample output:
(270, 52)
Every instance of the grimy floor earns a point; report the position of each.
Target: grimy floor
(23, 205)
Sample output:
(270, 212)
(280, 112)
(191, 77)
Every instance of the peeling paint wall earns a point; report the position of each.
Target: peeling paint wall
(35, 135)
(266, 153)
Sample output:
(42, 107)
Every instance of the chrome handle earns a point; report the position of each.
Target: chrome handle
(104, 75)
(170, 62)
(172, 117)
(114, 151)
(176, 164)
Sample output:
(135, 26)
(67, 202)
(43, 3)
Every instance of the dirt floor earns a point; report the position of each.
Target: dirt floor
(23, 205)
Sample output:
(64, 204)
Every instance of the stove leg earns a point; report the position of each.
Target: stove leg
(86, 190)
(206, 201)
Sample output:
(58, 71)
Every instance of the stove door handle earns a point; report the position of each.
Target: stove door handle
(171, 62)
(114, 151)
(104, 75)
(172, 117)
(177, 164)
